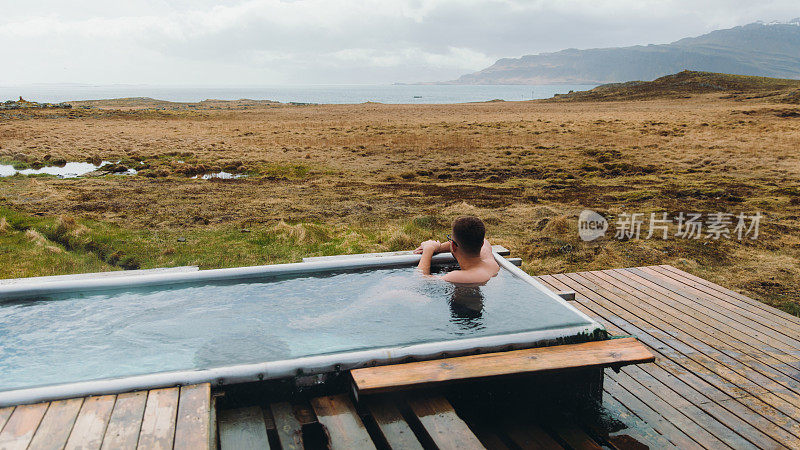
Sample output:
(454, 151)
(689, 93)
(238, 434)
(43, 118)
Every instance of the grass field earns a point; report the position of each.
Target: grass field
(328, 179)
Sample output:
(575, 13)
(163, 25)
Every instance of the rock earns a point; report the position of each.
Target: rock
(181, 239)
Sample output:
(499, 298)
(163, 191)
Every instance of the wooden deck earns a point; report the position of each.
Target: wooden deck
(178, 417)
(726, 375)
(727, 370)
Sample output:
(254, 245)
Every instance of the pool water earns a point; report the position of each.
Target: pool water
(78, 337)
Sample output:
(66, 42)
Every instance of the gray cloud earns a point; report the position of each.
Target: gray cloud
(315, 41)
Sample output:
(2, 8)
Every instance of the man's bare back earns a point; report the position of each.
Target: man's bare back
(477, 263)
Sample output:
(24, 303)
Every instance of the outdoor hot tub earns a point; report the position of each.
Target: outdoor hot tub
(79, 337)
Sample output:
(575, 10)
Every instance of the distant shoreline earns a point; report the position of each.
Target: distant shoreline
(316, 94)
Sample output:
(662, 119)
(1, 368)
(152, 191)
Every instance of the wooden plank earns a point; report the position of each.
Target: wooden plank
(732, 295)
(729, 346)
(125, 423)
(576, 438)
(339, 417)
(753, 411)
(745, 422)
(441, 423)
(763, 319)
(616, 352)
(21, 426)
(213, 432)
(766, 326)
(649, 414)
(242, 429)
(699, 415)
(723, 350)
(158, 422)
(90, 425)
(753, 381)
(290, 430)
(637, 429)
(704, 396)
(488, 435)
(695, 426)
(192, 429)
(5, 413)
(530, 436)
(682, 361)
(705, 317)
(303, 412)
(392, 425)
(56, 424)
(631, 315)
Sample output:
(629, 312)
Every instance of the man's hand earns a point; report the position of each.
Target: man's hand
(427, 248)
(433, 245)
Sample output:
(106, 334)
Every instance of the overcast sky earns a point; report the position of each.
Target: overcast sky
(271, 42)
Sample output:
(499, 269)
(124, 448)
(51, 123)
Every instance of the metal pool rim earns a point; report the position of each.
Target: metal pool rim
(309, 365)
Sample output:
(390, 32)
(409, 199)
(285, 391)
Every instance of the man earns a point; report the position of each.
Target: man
(469, 246)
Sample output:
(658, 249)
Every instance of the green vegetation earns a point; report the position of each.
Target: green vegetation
(38, 246)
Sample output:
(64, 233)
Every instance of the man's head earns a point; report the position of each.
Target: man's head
(468, 235)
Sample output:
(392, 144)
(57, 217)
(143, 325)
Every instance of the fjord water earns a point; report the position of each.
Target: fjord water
(78, 337)
(302, 94)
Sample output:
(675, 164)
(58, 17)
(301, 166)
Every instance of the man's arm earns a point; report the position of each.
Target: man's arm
(428, 249)
(444, 247)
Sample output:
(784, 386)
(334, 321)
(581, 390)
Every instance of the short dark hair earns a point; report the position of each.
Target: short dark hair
(469, 232)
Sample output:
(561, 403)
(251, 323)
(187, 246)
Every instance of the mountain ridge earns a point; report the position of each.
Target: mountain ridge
(757, 49)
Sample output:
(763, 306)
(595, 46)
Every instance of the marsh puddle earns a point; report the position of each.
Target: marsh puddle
(68, 170)
(220, 175)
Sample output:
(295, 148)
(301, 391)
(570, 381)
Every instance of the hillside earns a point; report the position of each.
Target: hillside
(758, 49)
(687, 83)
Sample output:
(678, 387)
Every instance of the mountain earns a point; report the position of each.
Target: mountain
(760, 49)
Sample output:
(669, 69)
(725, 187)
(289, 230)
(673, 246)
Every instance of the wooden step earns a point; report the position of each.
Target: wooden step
(446, 430)
(610, 353)
(192, 428)
(393, 427)
(243, 429)
(290, 430)
(341, 421)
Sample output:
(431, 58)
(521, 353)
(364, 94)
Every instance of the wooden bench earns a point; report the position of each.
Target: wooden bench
(610, 353)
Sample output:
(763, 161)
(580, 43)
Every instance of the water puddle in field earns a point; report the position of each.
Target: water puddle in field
(221, 175)
(68, 170)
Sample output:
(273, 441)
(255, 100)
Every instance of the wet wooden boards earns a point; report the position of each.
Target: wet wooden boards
(341, 421)
(243, 429)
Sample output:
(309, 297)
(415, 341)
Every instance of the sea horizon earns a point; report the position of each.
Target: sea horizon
(318, 93)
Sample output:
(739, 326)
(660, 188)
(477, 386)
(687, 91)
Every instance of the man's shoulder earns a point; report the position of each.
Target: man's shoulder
(457, 276)
(466, 277)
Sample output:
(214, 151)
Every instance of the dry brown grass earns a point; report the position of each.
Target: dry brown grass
(528, 168)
